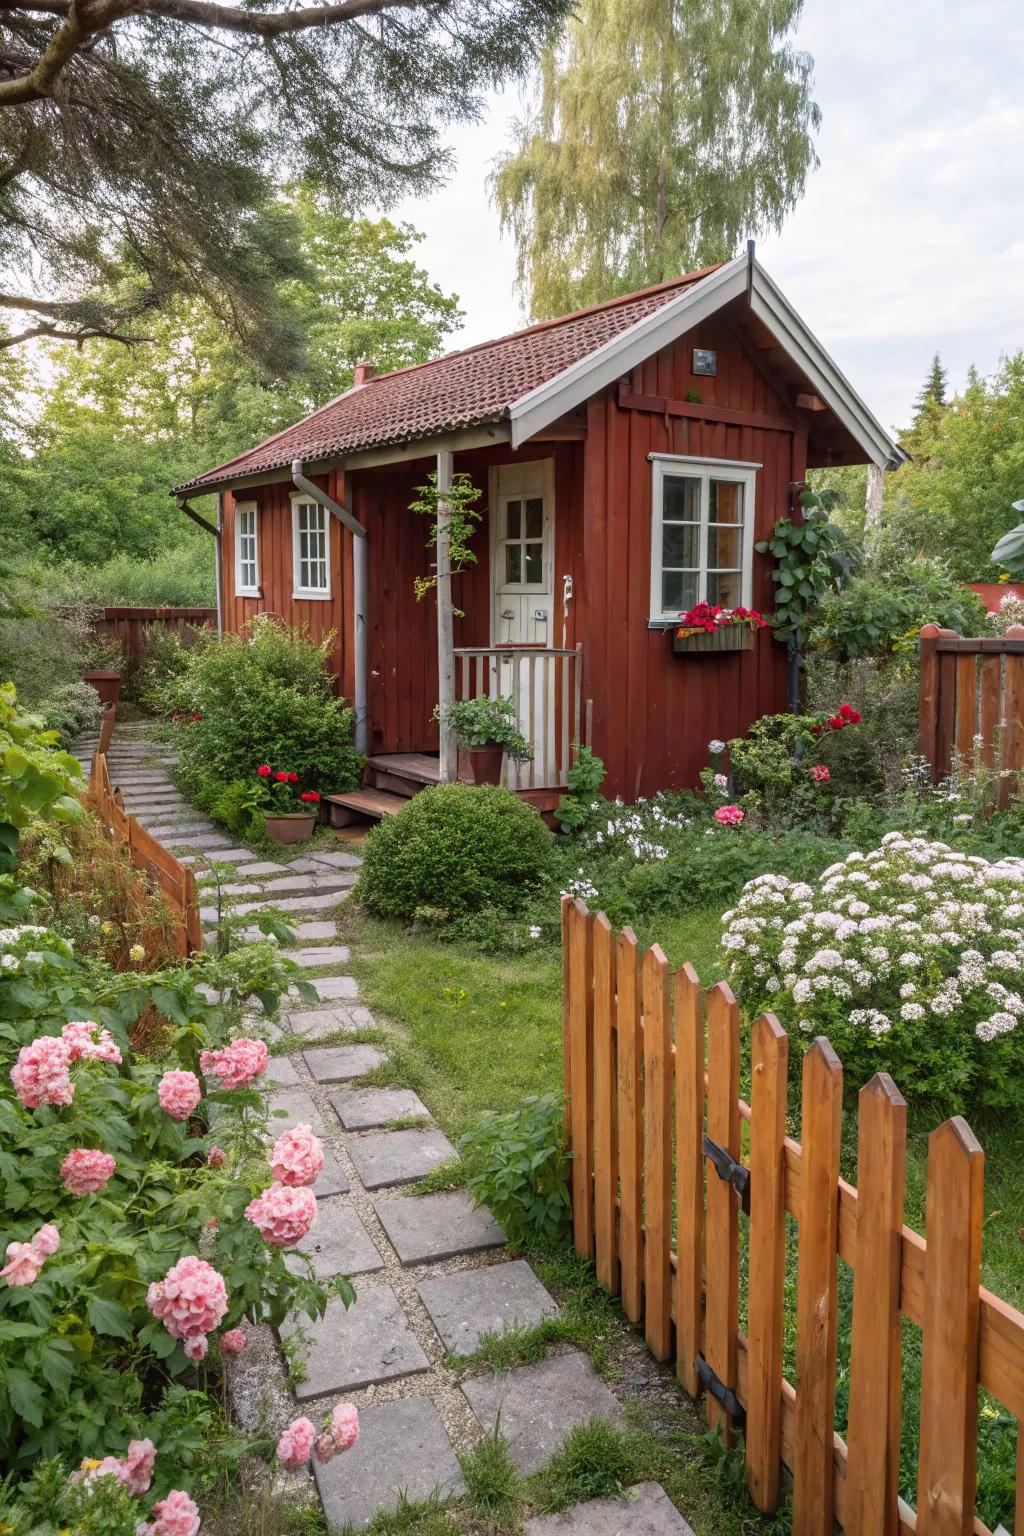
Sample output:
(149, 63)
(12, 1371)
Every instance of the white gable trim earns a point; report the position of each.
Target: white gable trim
(573, 385)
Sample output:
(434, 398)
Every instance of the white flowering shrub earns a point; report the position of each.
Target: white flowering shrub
(910, 958)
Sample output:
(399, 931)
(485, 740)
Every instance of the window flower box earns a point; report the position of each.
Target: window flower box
(735, 637)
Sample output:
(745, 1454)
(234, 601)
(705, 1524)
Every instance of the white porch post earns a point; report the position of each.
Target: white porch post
(445, 631)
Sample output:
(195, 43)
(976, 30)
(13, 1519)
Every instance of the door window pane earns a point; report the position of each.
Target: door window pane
(534, 563)
(513, 562)
(725, 502)
(513, 516)
(535, 518)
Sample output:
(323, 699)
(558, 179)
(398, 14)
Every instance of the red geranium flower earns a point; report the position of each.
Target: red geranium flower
(836, 723)
(293, 778)
(197, 714)
(311, 796)
(850, 715)
(281, 778)
(264, 770)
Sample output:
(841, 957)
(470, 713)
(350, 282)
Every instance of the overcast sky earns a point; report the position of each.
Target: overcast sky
(910, 237)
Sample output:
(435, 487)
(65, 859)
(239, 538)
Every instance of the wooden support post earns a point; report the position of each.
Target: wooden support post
(873, 1434)
(445, 627)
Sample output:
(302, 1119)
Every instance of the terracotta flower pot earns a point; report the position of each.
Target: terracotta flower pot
(481, 765)
(290, 826)
(107, 685)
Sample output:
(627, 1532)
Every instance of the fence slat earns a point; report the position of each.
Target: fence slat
(816, 1303)
(657, 1154)
(581, 971)
(947, 1458)
(567, 1031)
(966, 705)
(689, 1009)
(629, 1044)
(605, 1170)
(767, 1270)
(989, 710)
(873, 1435)
(928, 702)
(722, 1305)
(1012, 743)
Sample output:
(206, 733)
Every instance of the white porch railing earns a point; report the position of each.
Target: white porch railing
(546, 685)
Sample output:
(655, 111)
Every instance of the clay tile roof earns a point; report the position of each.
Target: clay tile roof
(463, 389)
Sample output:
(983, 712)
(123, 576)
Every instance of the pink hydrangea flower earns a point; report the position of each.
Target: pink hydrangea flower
(46, 1241)
(819, 773)
(179, 1093)
(81, 1039)
(216, 1157)
(23, 1264)
(282, 1214)
(86, 1172)
(176, 1515)
(196, 1346)
(729, 815)
(190, 1300)
(296, 1444)
(236, 1064)
(297, 1156)
(345, 1425)
(40, 1075)
(232, 1342)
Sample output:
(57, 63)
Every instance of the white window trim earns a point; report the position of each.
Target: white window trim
(744, 473)
(241, 589)
(309, 594)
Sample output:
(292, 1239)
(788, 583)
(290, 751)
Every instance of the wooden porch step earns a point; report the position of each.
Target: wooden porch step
(363, 805)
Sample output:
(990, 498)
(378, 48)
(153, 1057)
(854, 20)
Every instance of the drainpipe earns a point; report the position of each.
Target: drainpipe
(359, 585)
(218, 533)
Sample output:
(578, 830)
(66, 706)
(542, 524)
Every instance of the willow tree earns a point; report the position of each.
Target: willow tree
(663, 132)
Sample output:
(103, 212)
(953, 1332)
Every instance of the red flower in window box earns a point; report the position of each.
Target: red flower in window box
(282, 778)
(706, 618)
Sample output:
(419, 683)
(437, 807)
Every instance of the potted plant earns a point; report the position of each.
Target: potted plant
(289, 813)
(708, 628)
(486, 730)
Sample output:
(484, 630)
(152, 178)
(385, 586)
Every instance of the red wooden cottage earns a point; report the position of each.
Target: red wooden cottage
(630, 456)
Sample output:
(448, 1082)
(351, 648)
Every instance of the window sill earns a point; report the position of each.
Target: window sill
(248, 591)
(662, 623)
(311, 597)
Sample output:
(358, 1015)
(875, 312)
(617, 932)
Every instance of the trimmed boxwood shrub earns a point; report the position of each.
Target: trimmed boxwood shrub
(457, 848)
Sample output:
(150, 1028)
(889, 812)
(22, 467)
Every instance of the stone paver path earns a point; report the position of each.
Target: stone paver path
(429, 1272)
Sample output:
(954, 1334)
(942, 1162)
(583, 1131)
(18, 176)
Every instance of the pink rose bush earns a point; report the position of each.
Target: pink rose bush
(25, 1260)
(729, 816)
(819, 773)
(297, 1157)
(179, 1093)
(282, 1214)
(236, 1065)
(301, 1439)
(40, 1075)
(86, 1172)
(135, 1469)
(232, 1342)
(176, 1515)
(190, 1301)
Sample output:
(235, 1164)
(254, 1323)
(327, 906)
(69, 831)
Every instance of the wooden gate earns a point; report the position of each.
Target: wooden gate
(972, 700)
(657, 1127)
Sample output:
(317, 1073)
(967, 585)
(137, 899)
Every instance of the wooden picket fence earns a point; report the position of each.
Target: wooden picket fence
(973, 688)
(176, 883)
(658, 1133)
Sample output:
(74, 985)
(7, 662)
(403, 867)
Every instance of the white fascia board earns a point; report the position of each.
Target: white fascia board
(573, 385)
(778, 316)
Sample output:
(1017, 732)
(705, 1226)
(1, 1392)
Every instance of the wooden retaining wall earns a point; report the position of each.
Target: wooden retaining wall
(667, 1159)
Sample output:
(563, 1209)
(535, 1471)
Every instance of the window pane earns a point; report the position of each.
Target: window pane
(681, 499)
(681, 544)
(534, 564)
(678, 590)
(725, 501)
(513, 562)
(513, 519)
(725, 588)
(535, 518)
(724, 548)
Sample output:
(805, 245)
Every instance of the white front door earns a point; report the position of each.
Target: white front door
(523, 609)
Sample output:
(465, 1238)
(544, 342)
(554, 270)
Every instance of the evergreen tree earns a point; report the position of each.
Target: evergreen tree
(933, 391)
(665, 131)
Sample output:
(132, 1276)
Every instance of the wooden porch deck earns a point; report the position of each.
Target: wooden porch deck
(392, 778)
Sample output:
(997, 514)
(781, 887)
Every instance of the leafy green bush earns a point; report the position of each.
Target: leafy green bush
(870, 760)
(882, 609)
(517, 1165)
(457, 848)
(582, 798)
(265, 697)
(69, 709)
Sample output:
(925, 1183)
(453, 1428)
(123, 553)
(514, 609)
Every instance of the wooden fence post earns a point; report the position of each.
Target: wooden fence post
(873, 1435)
(767, 1270)
(606, 1182)
(567, 1018)
(629, 1045)
(816, 1301)
(947, 1459)
(722, 1305)
(928, 706)
(581, 998)
(689, 1176)
(657, 1154)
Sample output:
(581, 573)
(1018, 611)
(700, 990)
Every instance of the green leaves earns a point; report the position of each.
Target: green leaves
(25, 1396)
(813, 557)
(516, 1164)
(1009, 551)
(109, 1317)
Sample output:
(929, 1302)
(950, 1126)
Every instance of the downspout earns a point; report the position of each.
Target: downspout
(360, 569)
(218, 533)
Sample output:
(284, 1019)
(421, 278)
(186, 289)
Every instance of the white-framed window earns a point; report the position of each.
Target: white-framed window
(247, 549)
(311, 548)
(702, 533)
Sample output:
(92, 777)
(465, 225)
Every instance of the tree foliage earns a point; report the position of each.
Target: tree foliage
(141, 142)
(664, 131)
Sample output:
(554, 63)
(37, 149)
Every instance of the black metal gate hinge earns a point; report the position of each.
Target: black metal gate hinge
(729, 1170)
(720, 1392)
